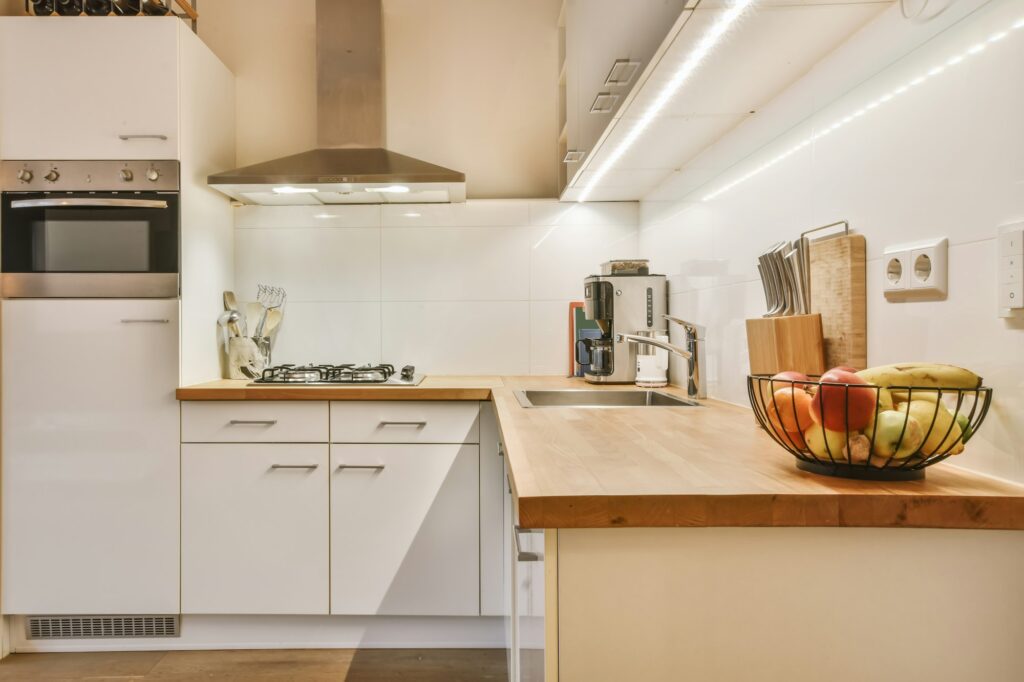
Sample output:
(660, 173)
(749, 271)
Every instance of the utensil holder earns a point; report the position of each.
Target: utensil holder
(777, 344)
(247, 353)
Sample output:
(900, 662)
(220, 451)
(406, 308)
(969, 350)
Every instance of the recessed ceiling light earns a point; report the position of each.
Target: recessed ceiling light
(411, 215)
(288, 189)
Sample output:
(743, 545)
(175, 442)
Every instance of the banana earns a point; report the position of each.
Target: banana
(921, 375)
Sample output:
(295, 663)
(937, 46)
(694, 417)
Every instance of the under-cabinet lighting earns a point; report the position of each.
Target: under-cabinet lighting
(704, 47)
(389, 189)
(288, 189)
(883, 99)
(411, 215)
(325, 216)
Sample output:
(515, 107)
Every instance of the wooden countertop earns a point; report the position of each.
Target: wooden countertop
(432, 388)
(663, 466)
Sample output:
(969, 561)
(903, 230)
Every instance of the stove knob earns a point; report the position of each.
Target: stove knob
(152, 175)
(52, 176)
(126, 175)
(25, 175)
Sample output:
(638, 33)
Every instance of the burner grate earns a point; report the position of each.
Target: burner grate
(330, 374)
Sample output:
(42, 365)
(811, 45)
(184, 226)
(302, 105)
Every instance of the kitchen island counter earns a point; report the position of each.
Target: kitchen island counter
(708, 465)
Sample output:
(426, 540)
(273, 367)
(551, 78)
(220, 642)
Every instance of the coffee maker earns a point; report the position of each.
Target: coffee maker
(625, 300)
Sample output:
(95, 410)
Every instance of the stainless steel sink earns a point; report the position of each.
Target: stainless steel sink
(599, 398)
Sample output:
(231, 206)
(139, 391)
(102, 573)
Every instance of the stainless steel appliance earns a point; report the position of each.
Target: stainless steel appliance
(89, 229)
(321, 375)
(621, 304)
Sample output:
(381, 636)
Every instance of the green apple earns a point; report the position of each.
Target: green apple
(895, 434)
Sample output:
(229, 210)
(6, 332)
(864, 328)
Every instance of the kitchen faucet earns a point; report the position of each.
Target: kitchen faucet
(693, 353)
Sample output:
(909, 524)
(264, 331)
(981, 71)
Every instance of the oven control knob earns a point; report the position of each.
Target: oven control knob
(25, 175)
(52, 176)
(152, 175)
(126, 175)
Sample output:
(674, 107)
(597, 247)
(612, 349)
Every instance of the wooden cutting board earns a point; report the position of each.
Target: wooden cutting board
(838, 293)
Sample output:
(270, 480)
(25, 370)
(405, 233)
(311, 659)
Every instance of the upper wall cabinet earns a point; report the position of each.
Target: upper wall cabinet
(88, 88)
(703, 68)
(606, 44)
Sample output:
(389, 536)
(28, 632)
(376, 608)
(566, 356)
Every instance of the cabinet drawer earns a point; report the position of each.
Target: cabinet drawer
(405, 422)
(254, 422)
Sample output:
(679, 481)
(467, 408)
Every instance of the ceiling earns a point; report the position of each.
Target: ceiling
(769, 47)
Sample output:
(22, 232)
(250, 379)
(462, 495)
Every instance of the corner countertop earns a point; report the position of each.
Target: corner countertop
(664, 466)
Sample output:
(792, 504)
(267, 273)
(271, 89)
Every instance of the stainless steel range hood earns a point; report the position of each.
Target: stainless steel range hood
(351, 164)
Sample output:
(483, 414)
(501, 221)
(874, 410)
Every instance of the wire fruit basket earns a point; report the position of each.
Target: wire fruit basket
(865, 431)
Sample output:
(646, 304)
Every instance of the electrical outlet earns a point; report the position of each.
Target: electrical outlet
(918, 271)
(897, 271)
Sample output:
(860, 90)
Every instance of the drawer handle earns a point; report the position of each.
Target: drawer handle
(252, 422)
(142, 137)
(375, 467)
(417, 424)
(520, 554)
(294, 466)
(145, 321)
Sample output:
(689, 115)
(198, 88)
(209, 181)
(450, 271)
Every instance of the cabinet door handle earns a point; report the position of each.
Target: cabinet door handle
(252, 422)
(417, 424)
(143, 137)
(520, 554)
(375, 467)
(145, 321)
(294, 466)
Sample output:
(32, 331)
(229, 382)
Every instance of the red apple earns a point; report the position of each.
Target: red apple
(847, 368)
(843, 408)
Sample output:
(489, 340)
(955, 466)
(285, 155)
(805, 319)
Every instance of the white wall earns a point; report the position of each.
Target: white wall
(944, 157)
(470, 84)
(475, 288)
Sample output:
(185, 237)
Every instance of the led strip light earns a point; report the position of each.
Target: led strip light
(707, 43)
(884, 99)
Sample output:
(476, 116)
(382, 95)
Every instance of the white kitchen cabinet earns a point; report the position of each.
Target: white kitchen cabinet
(597, 34)
(70, 87)
(405, 421)
(254, 528)
(492, 501)
(90, 456)
(404, 529)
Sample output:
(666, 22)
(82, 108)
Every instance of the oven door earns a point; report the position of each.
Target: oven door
(89, 245)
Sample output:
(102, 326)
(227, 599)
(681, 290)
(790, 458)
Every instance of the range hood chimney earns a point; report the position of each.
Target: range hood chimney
(350, 164)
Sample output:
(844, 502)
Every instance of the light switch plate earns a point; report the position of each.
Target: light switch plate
(1010, 269)
(917, 271)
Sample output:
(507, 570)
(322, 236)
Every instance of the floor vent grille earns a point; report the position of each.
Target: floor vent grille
(100, 627)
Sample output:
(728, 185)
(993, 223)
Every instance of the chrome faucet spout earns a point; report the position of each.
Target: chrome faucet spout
(633, 338)
(697, 364)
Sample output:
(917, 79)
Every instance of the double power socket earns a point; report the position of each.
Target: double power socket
(916, 271)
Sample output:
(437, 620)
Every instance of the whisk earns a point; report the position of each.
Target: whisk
(270, 298)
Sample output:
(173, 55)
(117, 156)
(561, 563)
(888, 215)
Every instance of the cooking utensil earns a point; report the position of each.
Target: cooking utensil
(228, 322)
(274, 318)
(270, 298)
(231, 303)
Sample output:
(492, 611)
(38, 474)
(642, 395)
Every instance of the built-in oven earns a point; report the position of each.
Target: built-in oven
(89, 229)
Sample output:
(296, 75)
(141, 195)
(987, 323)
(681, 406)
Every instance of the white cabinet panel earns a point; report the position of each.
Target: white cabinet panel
(386, 421)
(90, 456)
(529, 606)
(254, 528)
(270, 421)
(404, 535)
(492, 496)
(71, 87)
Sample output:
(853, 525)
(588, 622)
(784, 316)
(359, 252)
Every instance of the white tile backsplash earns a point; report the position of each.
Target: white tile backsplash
(312, 264)
(463, 337)
(456, 264)
(476, 288)
(944, 158)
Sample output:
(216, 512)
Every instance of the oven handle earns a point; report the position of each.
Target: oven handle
(58, 203)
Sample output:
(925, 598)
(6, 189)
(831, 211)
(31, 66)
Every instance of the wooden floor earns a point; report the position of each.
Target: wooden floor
(310, 665)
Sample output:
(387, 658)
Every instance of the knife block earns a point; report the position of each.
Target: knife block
(777, 344)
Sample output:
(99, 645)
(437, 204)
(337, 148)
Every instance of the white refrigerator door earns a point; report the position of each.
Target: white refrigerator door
(90, 456)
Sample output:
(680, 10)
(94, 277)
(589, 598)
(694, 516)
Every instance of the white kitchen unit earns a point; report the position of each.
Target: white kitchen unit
(492, 512)
(276, 521)
(404, 529)
(90, 456)
(64, 93)
(254, 528)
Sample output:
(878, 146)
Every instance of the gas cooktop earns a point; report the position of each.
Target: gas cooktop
(330, 375)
